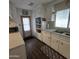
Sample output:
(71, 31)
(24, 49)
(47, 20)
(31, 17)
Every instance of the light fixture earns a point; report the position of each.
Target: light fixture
(31, 4)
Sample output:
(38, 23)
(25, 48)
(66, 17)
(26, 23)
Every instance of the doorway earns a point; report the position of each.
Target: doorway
(26, 25)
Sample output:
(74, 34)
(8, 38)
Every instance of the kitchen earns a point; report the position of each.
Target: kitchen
(46, 22)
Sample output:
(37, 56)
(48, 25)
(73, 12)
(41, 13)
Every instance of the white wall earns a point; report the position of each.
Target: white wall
(43, 11)
(38, 11)
(50, 8)
(15, 14)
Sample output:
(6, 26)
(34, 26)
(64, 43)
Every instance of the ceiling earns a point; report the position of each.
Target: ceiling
(28, 4)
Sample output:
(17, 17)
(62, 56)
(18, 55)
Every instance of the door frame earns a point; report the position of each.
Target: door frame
(23, 27)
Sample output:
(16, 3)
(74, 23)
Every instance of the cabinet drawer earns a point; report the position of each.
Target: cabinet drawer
(45, 33)
(64, 48)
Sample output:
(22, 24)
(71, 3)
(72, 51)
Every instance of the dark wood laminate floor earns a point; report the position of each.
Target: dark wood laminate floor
(33, 49)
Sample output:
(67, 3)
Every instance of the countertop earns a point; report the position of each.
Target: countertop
(59, 34)
(53, 30)
(15, 40)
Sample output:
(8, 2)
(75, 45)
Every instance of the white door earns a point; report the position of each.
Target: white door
(26, 26)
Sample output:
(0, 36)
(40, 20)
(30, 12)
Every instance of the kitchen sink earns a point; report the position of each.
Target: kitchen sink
(63, 32)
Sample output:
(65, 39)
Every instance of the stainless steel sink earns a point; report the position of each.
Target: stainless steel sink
(63, 33)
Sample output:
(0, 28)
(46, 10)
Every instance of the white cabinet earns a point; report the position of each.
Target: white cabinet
(39, 36)
(47, 41)
(18, 52)
(46, 37)
(64, 48)
(54, 42)
(61, 44)
(57, 42)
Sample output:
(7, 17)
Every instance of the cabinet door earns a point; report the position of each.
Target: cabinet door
(64, 48)
(39, 36)
(47, 41)
(46, 37)
(54, 43)
(43, 36)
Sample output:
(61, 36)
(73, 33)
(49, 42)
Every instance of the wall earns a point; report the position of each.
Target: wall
(15, 14)
(50, 8)
(38, 11)
(43, 11)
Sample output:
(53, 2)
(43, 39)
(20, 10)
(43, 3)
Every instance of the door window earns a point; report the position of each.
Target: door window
(26, 24)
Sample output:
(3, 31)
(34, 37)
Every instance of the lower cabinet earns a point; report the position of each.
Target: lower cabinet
(64, 48)
(59, 45)
(18, 53)
(46, 37)
(39, 36)
(54, 44)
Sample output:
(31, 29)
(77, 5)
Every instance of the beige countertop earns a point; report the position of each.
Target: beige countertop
(15, 40)
(12, 23)
(61, 36)
(53, 31)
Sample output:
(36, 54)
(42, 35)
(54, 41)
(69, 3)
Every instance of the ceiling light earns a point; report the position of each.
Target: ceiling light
(31, 4)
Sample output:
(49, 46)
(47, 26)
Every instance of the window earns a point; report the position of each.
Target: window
(26, 24)
(62, 18)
